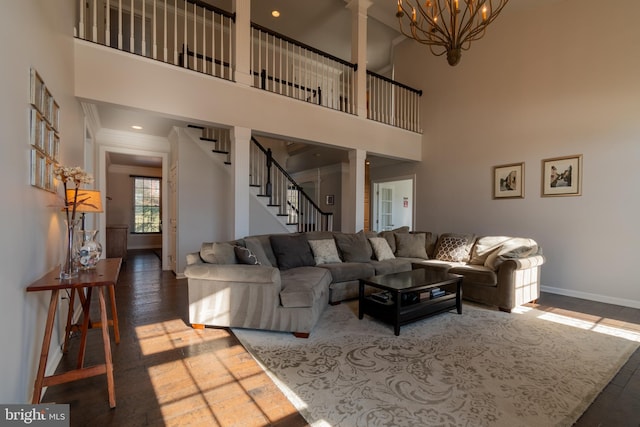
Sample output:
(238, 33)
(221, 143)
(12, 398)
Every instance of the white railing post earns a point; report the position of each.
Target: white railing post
(143, 18)
(132, 27)
(155, 31)
(107, 28)
(81, 24)
(95, 22)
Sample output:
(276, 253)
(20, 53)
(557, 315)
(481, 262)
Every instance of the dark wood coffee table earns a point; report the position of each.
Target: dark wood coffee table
(409, 296)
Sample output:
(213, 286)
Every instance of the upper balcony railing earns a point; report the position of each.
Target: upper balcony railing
(287, 67)
(198, 36)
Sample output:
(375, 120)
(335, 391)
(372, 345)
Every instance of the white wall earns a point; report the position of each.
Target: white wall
(204, 199)
(34, 34)
(549, 79)
(200, 98)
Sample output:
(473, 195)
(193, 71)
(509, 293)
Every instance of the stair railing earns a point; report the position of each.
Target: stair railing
(284, 192)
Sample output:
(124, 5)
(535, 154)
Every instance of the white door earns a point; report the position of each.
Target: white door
(385, 209)
(392, 204)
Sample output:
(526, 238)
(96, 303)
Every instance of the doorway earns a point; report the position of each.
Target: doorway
(393, 203)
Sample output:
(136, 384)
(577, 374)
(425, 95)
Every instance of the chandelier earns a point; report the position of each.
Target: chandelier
(448, 26)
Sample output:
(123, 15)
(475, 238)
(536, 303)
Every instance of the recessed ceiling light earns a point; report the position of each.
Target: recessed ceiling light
(275, 13)
(136, 127)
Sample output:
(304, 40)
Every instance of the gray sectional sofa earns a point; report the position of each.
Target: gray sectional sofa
(284, 282)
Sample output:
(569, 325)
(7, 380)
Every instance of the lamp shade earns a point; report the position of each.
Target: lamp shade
(87, 200)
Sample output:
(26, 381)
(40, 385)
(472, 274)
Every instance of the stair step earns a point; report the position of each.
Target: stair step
(274, 206)
(196, 127)
(204, 138)
(220, 151)
(255, 185)
(262, 195)
(227, 163)
(282, 215)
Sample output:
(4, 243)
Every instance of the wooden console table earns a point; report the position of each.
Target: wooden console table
(104, 275)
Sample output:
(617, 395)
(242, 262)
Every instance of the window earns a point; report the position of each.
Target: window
(146, 205)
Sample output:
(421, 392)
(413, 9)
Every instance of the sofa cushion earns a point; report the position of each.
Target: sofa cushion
(390, 236)
(324, 251)
(318, 235)
(454, 247)
(261, 247)
(291, 250)
(381, 248)
(476, 274)
(410, 245)
(347, 271)
(388, 266)
(218, 253)
(435, 264)
(302, 286)
(354, 247)
(245, 256)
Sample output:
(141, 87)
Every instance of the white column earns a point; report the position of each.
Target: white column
(240, 145)
(242, 38)
(353, 211)
(359, 51)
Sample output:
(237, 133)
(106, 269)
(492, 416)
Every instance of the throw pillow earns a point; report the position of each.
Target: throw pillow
(218, 253)
(245, 256)
(256, 246)
(291, 250)
(325, 251)
(389, 235)
(411, 245)
(381, 248)
(454, 247)
(354, 247)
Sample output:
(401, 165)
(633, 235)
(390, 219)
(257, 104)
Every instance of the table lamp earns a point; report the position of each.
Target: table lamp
(89, 201)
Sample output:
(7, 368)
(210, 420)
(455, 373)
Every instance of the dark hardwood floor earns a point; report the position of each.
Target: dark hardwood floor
(168, 374)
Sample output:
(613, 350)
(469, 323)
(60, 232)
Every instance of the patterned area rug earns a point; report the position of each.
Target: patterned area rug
(481, 368)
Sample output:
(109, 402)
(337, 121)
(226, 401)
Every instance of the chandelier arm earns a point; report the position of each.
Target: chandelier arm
(432, 35)
(478, 32)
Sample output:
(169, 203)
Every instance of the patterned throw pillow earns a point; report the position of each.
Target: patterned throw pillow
(381, 248)
(324, 251)
(245, 256)
(453, 249)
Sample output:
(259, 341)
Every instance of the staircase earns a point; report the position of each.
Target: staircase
(276, 190)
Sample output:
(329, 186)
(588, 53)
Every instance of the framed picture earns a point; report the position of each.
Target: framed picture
(562, 176)
(330, 199)
(508, 181)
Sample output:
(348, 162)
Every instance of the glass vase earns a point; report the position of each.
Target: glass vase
(88, 250)
(69, 268)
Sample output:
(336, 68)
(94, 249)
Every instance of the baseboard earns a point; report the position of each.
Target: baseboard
(592, 297)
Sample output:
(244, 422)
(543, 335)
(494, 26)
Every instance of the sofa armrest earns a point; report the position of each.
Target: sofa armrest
(233, 295)
(519, 263)
(239, 273)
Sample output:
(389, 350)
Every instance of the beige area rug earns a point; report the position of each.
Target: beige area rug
(481, 368)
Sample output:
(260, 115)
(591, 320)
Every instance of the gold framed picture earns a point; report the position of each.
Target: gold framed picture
(562, 176)
(508, 181)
